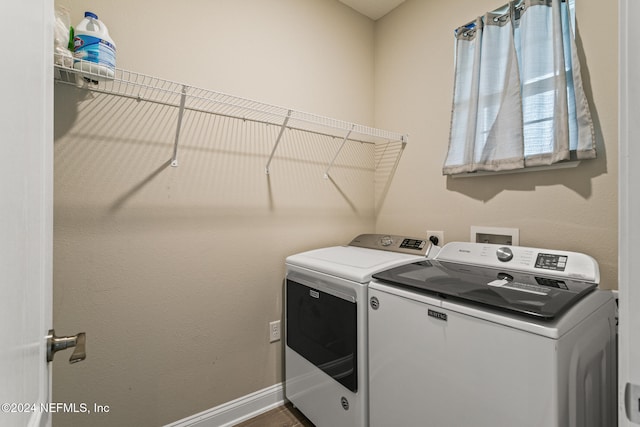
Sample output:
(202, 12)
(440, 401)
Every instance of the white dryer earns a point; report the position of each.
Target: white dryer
(492, 336)
(326, 324)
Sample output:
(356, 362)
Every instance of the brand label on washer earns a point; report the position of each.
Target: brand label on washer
(437, 315)
(314, 294)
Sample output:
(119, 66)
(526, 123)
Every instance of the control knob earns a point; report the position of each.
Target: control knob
(386, 241)
(504, 254)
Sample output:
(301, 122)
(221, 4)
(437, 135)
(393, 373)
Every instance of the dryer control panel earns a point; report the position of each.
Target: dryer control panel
(393, 243)
(549, 262)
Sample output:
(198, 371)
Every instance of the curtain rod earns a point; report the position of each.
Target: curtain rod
(502, 10)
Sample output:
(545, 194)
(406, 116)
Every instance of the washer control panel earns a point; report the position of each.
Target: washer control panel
(393, 243)
(523, 259)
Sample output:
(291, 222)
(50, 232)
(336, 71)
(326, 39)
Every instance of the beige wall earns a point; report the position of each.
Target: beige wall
(174, 273)
(572, 209)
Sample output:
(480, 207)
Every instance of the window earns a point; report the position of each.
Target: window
(518, 96)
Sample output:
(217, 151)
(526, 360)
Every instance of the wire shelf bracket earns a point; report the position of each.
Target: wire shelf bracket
(282, 128)
(344, 141)
(183, 98)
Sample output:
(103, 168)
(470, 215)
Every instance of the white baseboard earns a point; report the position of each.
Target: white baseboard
(236, 411)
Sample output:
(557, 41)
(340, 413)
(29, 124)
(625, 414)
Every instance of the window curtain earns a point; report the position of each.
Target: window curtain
(518, 97)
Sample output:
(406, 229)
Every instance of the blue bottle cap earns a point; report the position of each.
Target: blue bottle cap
(90, 15)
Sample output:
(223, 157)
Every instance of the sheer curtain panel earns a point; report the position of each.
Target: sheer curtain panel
(518, 97)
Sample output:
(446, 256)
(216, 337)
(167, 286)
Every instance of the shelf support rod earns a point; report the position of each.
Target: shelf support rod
(344, 141)
(282, 128)
(183, 98)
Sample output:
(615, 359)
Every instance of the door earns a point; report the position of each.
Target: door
(629, 212)
(322, 328)
(26, 209)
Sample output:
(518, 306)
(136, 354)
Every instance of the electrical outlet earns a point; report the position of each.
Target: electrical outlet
(436, 235)
(274, 331)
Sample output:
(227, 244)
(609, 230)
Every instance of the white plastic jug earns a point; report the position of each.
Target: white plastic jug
(94, 50)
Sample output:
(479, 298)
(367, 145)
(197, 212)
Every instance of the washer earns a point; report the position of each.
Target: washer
(326, 324)
(487, 335)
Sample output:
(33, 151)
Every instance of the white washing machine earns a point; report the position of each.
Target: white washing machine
(326, 324)
(492, 336)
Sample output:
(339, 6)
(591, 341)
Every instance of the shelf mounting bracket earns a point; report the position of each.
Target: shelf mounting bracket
(344, 141)
(183, 98)
(282, 128)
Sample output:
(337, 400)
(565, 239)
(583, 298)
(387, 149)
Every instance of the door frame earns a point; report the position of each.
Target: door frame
(628, 203)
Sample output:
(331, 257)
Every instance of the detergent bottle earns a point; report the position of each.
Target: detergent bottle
(94, 51)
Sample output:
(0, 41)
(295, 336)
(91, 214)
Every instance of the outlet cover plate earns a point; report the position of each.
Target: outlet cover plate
(274, 331)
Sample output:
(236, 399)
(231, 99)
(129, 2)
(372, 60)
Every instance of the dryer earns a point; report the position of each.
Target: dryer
(326, 359)
(487, 335)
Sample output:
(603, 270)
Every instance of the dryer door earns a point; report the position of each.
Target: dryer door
(322, 328)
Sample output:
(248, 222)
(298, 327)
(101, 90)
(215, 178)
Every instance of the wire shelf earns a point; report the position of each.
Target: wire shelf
(141, 87)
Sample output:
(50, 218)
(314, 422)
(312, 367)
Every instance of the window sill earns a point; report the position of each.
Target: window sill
(561, 165)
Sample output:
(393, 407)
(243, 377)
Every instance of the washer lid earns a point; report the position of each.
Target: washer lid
(350, 262)
(535, 295)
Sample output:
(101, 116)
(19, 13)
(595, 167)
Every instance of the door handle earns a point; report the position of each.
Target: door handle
(632, 402)
(55, 344)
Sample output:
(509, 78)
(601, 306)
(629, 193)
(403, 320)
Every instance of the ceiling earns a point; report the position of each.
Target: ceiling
(374, 9)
